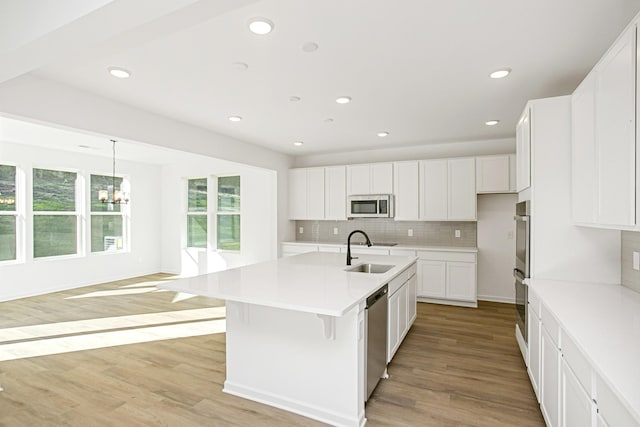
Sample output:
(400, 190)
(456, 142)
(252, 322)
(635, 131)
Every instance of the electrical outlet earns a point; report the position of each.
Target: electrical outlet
(510, 235)
(458, 234)
(410, 232)
(301, 230)
(335, 230)
(636, 260)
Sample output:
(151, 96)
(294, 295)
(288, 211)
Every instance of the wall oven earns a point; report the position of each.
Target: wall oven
(370, 206)
(521, 270)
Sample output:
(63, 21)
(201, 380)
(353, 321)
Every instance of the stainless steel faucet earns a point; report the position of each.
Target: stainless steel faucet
(349, 257)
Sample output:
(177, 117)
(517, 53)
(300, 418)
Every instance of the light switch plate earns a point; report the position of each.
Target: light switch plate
(410, 232)
(458, 234)
(636, 260)
(335, 230)
(301, 230)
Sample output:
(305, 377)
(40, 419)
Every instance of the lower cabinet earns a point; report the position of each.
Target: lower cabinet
(550, 380)
(577, 407)
(447, 277)
(402, 313)
(534, 331)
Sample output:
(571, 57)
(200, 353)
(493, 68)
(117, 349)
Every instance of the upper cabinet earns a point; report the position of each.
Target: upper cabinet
(604, 142)
(376, 178)
(304, 186)
(523, 151)
(448, 190)
(335, 193)
(494, 174)
(406, 190)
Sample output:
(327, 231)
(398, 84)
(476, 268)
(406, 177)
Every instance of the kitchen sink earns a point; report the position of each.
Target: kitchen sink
(369, 268)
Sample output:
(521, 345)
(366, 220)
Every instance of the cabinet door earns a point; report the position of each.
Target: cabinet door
(615, 133)
(433, 183)
(405, 182)
(576, 405)
(461, 281)
(411, 300)
(533, 367)
(403, 314)
(335, 193)
(393, 337)
(432, 279)
(358, 179)
(583, 152)
(492, 174)
(381, 178)
(512, 173)
(523, 151)
(297, 193)
(315, 193)
(462, 189)
(550, 380)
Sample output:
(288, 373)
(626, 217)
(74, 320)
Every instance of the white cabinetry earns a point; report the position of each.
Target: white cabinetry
(406, 190)
(576, 404)
(306, 193)
(335, 193)
(402, 309)
(293, 249)
(448, 190)
(493, 174)
(523, 151)
(534, 333)
(375, 178)
(550, 378)
(447, 277)
(512, 173)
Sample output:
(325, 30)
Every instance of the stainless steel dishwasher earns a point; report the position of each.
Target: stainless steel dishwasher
(376, 333)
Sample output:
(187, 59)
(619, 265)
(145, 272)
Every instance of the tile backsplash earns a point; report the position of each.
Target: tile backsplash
(630, 243)
(383, 230)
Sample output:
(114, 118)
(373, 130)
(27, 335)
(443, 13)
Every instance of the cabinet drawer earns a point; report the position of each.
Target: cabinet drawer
(402, 277)
(550, 323)
(534, 302)
(578, 363)
(447, 256)
(611, 407)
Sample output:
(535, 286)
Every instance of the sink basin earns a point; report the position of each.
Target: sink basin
(370, 268)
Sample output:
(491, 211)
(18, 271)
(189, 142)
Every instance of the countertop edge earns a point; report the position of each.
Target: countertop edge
(471, 249)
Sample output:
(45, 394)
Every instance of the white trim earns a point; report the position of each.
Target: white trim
(506, 300)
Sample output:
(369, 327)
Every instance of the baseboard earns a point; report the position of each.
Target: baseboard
(291, 405)
(470, 304)
(490, 298)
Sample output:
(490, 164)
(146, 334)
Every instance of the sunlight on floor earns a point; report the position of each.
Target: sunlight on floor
(117, 292)
(45, 339)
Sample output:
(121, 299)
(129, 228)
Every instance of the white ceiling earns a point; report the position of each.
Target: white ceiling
(415, 68)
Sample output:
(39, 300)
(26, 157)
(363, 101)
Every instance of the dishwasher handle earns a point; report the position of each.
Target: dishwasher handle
(377, 296)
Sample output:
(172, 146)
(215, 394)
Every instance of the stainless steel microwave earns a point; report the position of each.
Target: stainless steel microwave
(370, 206)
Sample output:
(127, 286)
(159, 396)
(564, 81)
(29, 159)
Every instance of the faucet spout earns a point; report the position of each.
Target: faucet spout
(349, 257)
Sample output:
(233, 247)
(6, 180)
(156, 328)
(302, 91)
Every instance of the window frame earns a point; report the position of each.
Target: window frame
(217, 213)
(18, 214)
(79, 189)
(125, 213)
(206, 213)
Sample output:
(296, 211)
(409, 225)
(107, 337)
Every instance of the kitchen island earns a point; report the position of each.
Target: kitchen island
(295, 330)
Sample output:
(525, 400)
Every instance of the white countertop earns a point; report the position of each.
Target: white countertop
(604, 320)
(312, 282)
(398, 246)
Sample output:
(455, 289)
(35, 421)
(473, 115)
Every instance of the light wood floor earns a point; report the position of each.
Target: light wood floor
(457, 366)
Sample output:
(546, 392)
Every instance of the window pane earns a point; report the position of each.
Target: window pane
(197, 231)
(7, 188)
(106, 233)
(54, 190)
(229, 232)
(102, 182)
(197, 195)
(7, 237)
(229, 194)
(54, 235)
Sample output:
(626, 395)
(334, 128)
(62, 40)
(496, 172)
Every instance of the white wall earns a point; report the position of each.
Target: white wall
(36, 99)
(417, 152)
(258, 240)
(496, 247)
(47, 275)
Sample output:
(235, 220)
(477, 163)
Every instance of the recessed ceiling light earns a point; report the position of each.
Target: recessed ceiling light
(260, 26)
(294, 98)
(343, 100)
(309, 47)
(120, 73)
(498, 74)
(240, 66)
(492, 122)
(235, 118)
(383, 134)
(298, 143)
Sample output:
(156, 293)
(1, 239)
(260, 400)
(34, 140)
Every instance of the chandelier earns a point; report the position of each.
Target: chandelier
(116, 197)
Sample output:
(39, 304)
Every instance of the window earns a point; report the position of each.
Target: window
(107, 219)
(197, 213)
(228, 215)
(8, 213)
(55, 215)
